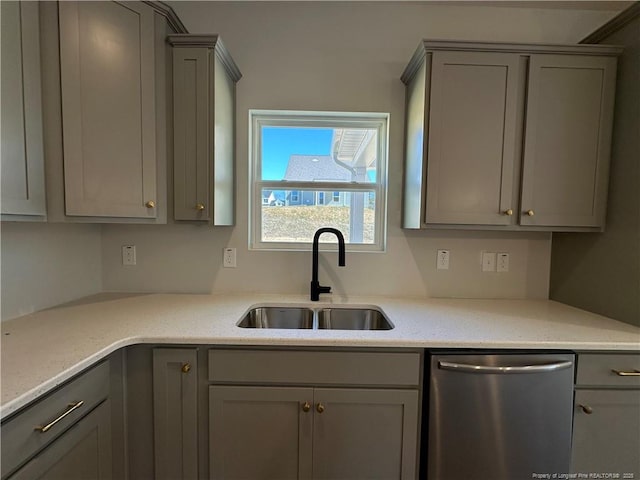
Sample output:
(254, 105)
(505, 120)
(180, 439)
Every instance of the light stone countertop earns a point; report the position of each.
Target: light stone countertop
(44, 349)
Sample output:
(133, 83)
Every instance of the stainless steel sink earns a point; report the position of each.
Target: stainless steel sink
(278, 317)
(353, 319)
(322, 318)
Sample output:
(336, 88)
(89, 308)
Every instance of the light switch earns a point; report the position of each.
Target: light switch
(488, 261)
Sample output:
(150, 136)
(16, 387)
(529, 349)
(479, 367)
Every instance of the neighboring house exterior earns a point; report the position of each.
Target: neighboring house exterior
(310, 168)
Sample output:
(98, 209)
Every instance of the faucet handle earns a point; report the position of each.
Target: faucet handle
(324, 289)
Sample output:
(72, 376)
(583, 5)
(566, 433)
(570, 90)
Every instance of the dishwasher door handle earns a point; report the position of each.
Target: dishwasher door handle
(464, 367)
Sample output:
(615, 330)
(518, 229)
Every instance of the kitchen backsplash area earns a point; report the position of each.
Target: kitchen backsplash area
(333, 56)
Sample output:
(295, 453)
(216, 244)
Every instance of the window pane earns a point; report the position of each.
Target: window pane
(308, 154)
(295, 215)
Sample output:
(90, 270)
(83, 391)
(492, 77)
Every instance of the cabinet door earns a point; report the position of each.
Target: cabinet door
(82, 452)
(607, 439)
(365, 434)
(108, 108)
(567, 140)
(192, 137)
(260, 433)
(472, 137)
(22, 148)
(175, 413)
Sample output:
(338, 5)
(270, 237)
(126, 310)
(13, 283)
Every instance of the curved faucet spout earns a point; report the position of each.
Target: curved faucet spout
(316, 288)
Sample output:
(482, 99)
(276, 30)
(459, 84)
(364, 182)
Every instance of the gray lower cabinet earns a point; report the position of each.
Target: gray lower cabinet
(364, 433)
(22, 167)
(321, 433)
(82, 452)
(204, 78)
(508, 137)
(175, 413)
(260, 432)
(66, 435)
(313, 414)
(606, 422)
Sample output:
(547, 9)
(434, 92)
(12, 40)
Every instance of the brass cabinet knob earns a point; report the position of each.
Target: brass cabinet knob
(586, 409)
(306, 407)
(531, 213)
(320, 408)
(508, 212)
(186, 367)
(200, 206)
(150, 204)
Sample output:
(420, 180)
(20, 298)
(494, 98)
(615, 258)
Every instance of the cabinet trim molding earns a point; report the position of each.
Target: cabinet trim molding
(208, 41)
(428, 45)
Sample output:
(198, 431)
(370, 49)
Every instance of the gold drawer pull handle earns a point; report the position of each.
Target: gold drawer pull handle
(621, 373)
(306, 407)
(71, 408)
(200, 207)
(586, 409)
(150, 204)
(186, 367)
(531, 213)
(508, 212)
(320, 408)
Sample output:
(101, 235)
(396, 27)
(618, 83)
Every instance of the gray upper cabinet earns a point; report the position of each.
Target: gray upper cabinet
(107, 73)
(472, 137)
(204, 78)
(470, 109)
(568, 140)
(23, 189)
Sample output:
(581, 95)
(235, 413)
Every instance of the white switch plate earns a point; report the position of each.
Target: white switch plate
(229, 258)
(503, 262)
(128, 255)
(443, 260)
(488, 261)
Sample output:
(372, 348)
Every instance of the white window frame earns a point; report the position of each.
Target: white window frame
(268, 118)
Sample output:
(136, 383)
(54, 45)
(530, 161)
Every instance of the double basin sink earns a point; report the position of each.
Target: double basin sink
(323, 318)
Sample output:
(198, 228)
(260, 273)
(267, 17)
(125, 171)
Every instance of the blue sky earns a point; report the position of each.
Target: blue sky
(279, 143)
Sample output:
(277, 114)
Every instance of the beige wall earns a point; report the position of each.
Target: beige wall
(47, 264)
(601, 273)
(341, 56)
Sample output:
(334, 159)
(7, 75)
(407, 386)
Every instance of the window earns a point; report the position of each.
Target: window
(320, 169)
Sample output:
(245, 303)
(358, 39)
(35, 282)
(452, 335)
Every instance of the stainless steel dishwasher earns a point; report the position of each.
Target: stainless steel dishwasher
(499, 417)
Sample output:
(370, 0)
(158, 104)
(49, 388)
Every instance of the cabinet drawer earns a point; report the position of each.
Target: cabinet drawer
(595, 369)
(21, 440)
(314, 367)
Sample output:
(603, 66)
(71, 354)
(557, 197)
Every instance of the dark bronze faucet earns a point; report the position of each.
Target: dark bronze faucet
(316, 288)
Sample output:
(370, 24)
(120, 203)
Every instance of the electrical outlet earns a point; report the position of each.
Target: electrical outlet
(229, 258)
(128, 255)
(443, 260)
(488, 261)
(503, 262)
